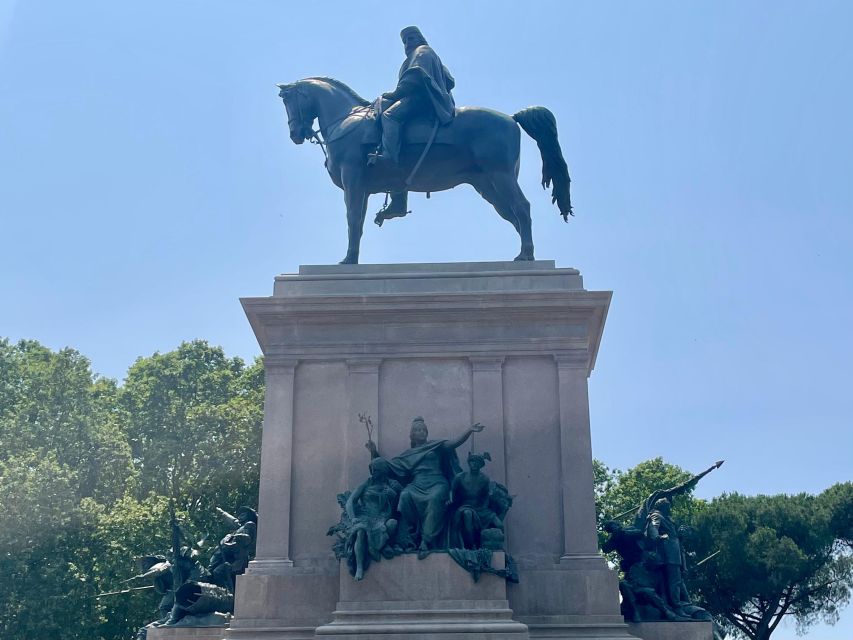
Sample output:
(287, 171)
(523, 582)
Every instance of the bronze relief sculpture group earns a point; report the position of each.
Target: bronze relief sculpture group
(422, 502)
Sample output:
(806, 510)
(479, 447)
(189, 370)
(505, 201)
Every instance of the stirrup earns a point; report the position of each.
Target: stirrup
(379, 218)
(373, 156)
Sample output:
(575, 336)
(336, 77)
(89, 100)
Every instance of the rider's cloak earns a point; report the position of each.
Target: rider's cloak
(424, 69)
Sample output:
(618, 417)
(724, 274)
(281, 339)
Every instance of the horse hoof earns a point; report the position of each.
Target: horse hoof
(521, 257)
(349, 260)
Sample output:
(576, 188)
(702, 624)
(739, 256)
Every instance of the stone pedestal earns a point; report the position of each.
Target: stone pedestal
(411, 599)
(508, 344)
(186, 633)
(672, 630)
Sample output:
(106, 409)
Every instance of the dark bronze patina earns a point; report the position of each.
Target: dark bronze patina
(422, 502)
(192, 595)
(652, 559)
(425, 143)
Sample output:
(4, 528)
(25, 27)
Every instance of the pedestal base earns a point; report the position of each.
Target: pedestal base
(577, 598)
(506, 344)
(186, 633)
(672, 630)
(281, 602)
(410, 599)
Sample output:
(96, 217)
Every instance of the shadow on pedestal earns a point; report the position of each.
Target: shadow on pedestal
(423, 599)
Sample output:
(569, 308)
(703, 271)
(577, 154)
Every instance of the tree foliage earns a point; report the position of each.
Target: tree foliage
(44, 564)
(88, 469)
(781, 556)
(53, 403)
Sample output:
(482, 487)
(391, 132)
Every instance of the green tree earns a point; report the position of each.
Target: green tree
(53, 403)
(46, 563)
(63, 444)
(194, 420)
(88, 469)
(121, 533)
(191, 417)
(781, 556)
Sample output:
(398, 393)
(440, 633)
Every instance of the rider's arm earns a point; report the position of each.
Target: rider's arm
(407, 86)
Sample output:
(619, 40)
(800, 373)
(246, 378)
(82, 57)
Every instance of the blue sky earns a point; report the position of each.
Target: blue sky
(147, 182)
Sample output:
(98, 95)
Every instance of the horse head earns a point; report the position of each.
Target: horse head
(300, 112)
(316, 97)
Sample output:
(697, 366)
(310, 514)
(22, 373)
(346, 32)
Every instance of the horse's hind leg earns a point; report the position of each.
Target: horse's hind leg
(489, 194)
(504, 194)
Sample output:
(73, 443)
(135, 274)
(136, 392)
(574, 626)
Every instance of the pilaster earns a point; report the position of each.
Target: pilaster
(273, 545)
(487, 401)
(576, 480)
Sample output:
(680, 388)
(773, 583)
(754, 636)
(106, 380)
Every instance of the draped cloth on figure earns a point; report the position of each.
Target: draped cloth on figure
(426, 471)
(423, 69)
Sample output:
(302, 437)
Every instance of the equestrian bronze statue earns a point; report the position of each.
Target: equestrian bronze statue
(415, 139)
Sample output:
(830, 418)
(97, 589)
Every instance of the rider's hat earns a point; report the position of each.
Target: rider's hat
(409, 30)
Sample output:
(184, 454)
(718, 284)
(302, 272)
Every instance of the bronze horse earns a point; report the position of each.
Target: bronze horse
(481, 147)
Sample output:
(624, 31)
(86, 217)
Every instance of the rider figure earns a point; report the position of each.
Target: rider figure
(423, 89)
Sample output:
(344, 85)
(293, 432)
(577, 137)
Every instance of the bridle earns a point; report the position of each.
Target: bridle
(315, 136)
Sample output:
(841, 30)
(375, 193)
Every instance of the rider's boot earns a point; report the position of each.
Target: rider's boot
(397, 208)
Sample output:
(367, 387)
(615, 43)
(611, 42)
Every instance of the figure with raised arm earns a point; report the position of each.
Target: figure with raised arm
(664, 535)
(426, 469)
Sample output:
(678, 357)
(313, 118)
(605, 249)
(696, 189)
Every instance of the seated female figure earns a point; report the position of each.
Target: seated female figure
(373, 528)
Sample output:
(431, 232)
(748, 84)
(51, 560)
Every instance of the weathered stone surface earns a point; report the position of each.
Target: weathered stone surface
(423, 599)
(672, 630)
(507, 344)
(453, 277)
(186, 633)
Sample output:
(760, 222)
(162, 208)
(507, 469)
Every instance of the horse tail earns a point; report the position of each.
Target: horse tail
(541, 125)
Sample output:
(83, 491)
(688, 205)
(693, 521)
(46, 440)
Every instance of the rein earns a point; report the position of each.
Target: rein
(317, 136)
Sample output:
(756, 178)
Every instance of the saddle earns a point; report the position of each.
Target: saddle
(364, 122)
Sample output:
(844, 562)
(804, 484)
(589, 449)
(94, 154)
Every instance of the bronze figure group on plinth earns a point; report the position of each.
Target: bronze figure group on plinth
(421, 501)
(653, 561)
(193, 595)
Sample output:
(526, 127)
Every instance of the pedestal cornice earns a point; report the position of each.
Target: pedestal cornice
(458, 310)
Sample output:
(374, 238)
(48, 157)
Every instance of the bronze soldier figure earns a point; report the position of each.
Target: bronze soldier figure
(664, 535)
(423, 89)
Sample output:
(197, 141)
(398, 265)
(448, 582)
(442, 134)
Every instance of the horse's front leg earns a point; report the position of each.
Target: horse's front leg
(355, 197)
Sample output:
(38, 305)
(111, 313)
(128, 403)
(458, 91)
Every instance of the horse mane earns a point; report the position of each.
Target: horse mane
(343, 87)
